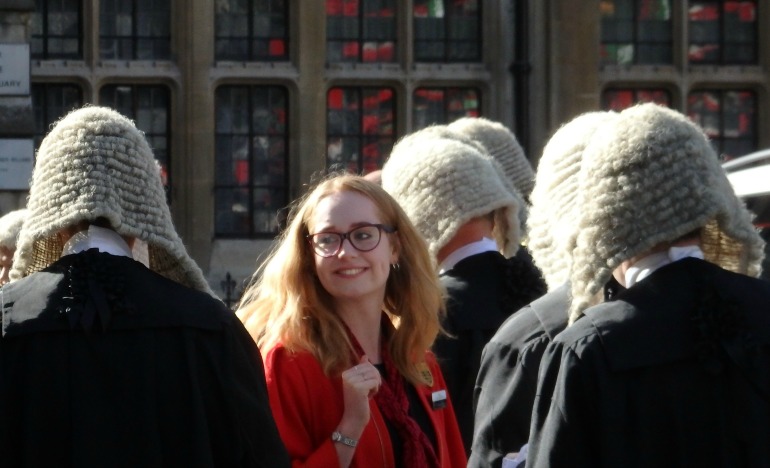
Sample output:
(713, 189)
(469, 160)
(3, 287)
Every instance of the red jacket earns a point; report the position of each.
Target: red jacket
(307, 407)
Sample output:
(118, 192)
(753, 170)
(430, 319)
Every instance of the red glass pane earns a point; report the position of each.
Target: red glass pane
(370, 52)
(350, 8)
(618, 100)
(704, 12)
(745, 121)
(277, 47)
(334, 7)
(747, 11)
(350, 49)
(164, 174)
(371, 124)
(430, 94)
(371, 101)
(335, 99)
(710, 102)
(386, 52)
(241, 172)
(371, 151)
(699, 53)
(654, 95)
(280, 116)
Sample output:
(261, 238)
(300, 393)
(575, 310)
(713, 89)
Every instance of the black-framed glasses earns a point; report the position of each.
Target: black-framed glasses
(364, 238)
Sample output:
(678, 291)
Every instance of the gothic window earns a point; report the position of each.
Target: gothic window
(252, 30)
(447, 30)
(251, 160)
(723, 32)
(361, 31)
(636, 32)
(135, 30)
(56, 31)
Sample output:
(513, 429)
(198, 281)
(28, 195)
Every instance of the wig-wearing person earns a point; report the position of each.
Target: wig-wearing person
(507, 379)
(500, 142)
(106, 360)
(675, 371)
(10, 226)
(345, 310)
(463, 205)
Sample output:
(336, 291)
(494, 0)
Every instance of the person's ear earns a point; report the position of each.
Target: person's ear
(395, 248)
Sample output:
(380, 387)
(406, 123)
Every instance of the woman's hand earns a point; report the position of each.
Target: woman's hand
(359, 383)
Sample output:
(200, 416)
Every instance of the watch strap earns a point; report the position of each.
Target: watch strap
(338, 437)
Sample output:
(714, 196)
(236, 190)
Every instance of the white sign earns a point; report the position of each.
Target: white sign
(16, 162)
(14, 69)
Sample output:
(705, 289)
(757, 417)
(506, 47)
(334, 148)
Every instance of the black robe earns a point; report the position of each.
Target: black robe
(675, 372)
(106, 363)
(484, 290)
(507, 379)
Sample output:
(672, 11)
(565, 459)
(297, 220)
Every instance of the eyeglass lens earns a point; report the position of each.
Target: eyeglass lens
(364, 238)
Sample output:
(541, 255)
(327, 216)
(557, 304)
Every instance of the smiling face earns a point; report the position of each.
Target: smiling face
(352, 275)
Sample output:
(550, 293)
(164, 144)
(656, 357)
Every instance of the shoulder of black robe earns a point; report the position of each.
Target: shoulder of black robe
(507, 380)
(682, 358)
(166, 375)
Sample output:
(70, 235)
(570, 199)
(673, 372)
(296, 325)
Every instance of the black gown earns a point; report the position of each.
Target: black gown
(484, 290)
(106, 363)
(675, 372)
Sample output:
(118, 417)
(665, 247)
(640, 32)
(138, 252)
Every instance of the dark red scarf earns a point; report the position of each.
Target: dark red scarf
(392, 401)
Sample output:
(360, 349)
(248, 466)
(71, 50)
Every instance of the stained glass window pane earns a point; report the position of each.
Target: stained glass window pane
(444, 105)
(728, 117)
(251, 160)
(636, 32)
(360, 128)
(134, 29)
(447, 30)
(251, 30)
(618, 99)
(722, 32)
(50, 102)
(55, 29)
(361, 31)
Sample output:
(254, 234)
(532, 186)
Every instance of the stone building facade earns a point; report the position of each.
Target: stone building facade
(244, 101)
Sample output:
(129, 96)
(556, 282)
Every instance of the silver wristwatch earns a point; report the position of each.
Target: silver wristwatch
(338, 437)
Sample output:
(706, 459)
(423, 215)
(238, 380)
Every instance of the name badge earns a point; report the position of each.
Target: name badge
(439, 399)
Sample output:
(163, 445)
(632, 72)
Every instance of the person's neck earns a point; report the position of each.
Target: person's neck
(103, 239)
(472, 231)
(468, 250)
(363, 318)
(640, 266)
